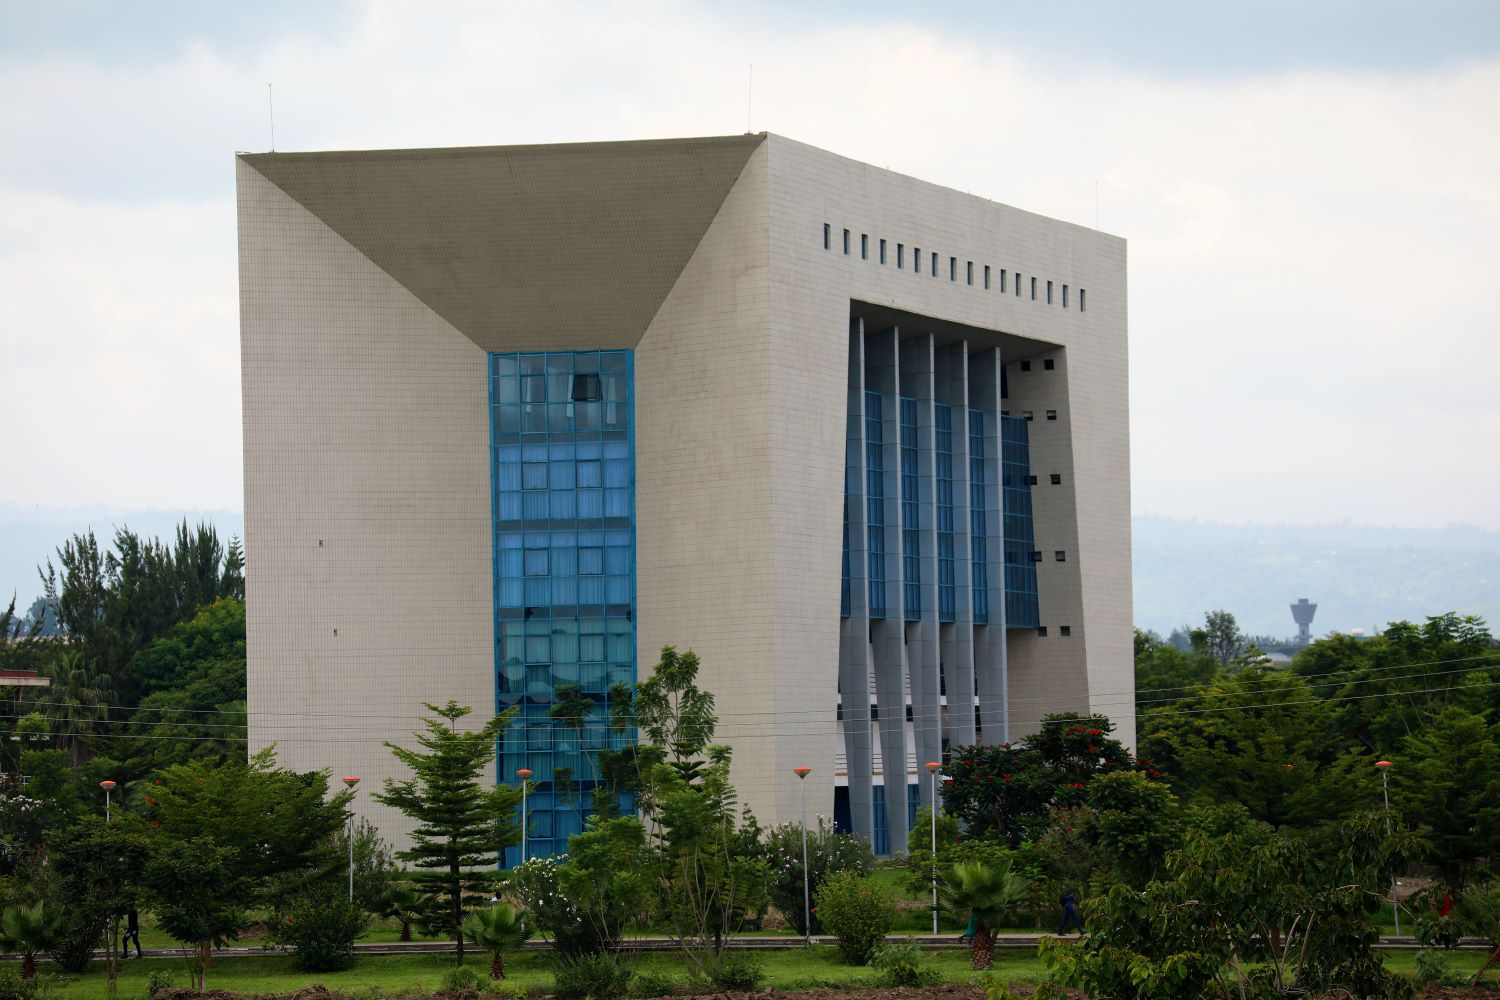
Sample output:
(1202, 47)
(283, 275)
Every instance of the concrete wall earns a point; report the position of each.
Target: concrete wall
(367, 511)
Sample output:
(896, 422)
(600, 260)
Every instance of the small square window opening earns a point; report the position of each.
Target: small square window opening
(1031, 480)
(1025, 414)
(1065, 630)
(1041, 631)
(1056, 478)
(1026, 366)
(1036, 556)
(1060, 555)
(586, 388)
(1051, 414)
(1048, 364)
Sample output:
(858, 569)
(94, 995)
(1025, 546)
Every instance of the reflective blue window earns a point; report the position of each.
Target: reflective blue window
(564, 561)
(874, 492)
(1021, 601)
(911, 495)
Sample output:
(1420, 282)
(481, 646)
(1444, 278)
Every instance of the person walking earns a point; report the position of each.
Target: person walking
(132, 933)
(1070, 913)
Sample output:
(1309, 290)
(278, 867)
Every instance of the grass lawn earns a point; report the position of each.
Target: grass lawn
(790, 969)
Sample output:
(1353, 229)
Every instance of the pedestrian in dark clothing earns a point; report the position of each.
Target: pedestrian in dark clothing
(132, 933)
(1070, 913)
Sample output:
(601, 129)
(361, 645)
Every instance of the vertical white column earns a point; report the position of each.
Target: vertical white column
(882, 375)
(854, 631)
(990, 665)
(957, 639)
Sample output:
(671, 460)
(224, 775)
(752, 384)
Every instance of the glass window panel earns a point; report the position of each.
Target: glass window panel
(538, 593)
(590, 562)
(564, 562)
(533, 418)
(507, 390)
(591, 647)
(562, 505)
(510, 419)
(616, 503)
(564, 591)
(590, 474)
(533, 389)
(617, 561)
(560, 475)
(564, 648)
(619, 647)
(508, 476)
(590, 503)
(534, 506)
(617, 590)
(510, 593)
(538, 647)
(614, 386)
(594, 678)
(505, 364)
(591, 590)
(534, 476)
(617, 473)
(559, 417)
(536, 562)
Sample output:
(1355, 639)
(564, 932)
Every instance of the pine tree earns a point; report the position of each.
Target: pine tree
(462, 827)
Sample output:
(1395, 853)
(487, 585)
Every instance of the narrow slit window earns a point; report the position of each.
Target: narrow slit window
(1002, 281)
(846, 243)
(827, 236)
(1049, 293)
(864, 248)
(882, 257)
(1018, 284)
(969, 272)
(1033, 289)
(934, 263)
(916, 260)
(952, 268)
(1065, 296)
(986, 277)
(900, 256)
(1081, 306)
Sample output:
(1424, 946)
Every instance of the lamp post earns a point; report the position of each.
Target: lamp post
(525, 775)
(1384, 767)
(933, 767)
(108, 787)
(802, 773)
(350, 780)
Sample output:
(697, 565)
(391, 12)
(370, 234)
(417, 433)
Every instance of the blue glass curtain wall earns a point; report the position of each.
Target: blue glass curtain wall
(1021, 605)
(563, 476)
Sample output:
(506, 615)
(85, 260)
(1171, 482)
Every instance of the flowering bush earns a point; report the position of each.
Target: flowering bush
(320, 929)
(828, 853)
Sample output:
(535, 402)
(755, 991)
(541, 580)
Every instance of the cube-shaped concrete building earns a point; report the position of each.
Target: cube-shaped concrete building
(517, 417)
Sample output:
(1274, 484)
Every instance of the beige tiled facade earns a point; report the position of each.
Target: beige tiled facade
(366, 429)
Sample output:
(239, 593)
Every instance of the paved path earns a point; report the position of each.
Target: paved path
(1009, 940)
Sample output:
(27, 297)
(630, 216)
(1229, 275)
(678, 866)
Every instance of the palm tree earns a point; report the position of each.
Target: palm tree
(79, 697)
(405, 905)
(28, 931)
(500, 927)
(988, 892)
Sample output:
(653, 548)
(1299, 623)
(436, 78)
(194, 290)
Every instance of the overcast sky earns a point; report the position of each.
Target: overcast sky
(1311, 194)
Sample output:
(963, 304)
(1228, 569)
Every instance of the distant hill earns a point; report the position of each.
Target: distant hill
(1359, 576)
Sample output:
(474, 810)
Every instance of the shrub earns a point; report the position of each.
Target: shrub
(651, 983)
(159, 979)
(320, 930)
(828, 853)
(1432, 966)
(737, 971)
(858, 912)
(13, 987)
(573, 934)
(462, 979)
(904, 965)
(598, 976)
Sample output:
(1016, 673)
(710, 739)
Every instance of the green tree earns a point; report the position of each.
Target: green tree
(279, 825)
(1220, 637)
(78, 702)
(607, 879)
(99, 869)
(989, 893)
(496, 930)
(828, 853)
(1135, 820)
(403, 904)
(1480, 916)
(1259, 737)
(200, 894)
(461, 826)
(1447, 780)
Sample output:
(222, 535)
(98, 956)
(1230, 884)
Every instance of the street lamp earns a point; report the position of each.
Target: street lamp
(525, 775)
(108, 787)
(933, 767)
(350, 780)
(802, 773)
(1384, 767)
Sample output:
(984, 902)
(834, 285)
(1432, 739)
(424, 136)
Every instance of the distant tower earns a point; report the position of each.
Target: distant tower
(1302, 614)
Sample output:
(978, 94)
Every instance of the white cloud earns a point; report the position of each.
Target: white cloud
(1312, 316)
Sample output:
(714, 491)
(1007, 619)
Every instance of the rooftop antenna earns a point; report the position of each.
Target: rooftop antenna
(749, 97)
(271, 104)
